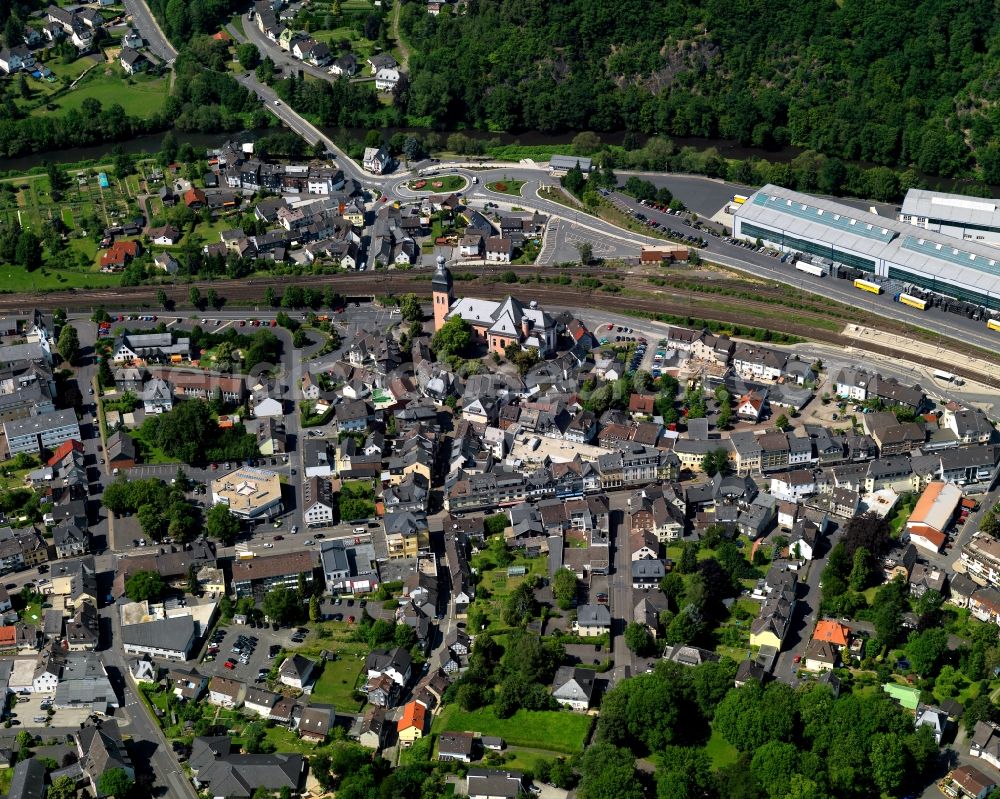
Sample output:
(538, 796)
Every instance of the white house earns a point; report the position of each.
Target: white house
(376, 160)
(15, 59)
(851, 384)
(295, 672)
(985, 743)
(386, 79)
(259, 702)
(499, 249)
(318, 513)
(932, 717)
(165, 236)
(926, 538)
(225, 692)
(793, 486)
(471, 245)
(751, 406)
(593, 620)
(574, 688)
(131, 61)
(157, 396)
(46, 676)
(268, 407)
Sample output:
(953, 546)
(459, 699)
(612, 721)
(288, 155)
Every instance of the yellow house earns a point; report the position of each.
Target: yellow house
(212, 580)
(416, 461)
(406, 534)
(768, 630)
(413, 723)
(407, 545)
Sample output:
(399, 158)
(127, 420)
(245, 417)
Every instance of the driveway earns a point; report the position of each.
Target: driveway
(804, 616)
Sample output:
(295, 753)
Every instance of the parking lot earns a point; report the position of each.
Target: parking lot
(29, 707)
(258, 659)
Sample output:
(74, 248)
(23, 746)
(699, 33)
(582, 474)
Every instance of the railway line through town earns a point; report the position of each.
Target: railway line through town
(804, 316)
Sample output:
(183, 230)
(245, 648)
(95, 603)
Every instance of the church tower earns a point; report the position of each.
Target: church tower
(443, 293)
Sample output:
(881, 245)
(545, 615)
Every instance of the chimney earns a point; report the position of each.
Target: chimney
(525, 326)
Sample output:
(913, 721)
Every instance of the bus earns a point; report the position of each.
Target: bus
(739, 199)
(811, 269)
(867, 285)
(913, 302)
(993, 324)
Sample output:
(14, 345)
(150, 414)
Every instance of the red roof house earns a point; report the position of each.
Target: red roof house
(119, 254)
(195, 198)
(63, 450)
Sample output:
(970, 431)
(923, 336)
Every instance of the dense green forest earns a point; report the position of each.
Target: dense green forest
(892, 82)
(183, 19)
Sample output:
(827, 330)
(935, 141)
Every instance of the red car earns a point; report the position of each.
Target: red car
(230, 664)
(797, 659)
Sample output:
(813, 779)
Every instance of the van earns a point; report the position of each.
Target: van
(360, 530)
(115, 472)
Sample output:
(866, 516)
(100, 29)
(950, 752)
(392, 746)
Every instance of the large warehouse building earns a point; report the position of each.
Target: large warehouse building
(886, 248)
(966, 218)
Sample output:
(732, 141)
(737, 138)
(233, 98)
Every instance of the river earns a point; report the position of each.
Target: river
(150, 143)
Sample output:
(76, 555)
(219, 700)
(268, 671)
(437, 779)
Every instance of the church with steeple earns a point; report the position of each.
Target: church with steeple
(495, 324)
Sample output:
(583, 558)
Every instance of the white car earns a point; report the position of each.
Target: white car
(308, 542)
(295, 529)
(268, 545)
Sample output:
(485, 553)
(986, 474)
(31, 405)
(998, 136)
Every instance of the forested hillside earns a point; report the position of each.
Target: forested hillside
(892, 82)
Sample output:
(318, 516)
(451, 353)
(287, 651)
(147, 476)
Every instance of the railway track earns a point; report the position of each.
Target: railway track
(362, 284)
(672, 299)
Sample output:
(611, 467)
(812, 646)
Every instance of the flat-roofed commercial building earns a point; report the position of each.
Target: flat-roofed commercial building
(966, 218)
(249, 493)
(882, 247)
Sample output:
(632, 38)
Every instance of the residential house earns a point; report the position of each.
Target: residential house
(647, 574)
(226, 692)
(371, 734)
(412, 724)
(574, 688)
(969, 782)
(376, 160)
(985, 743)
(295, 672)
(386, 79)
(592, 620)
(132, 61)
(456, 746)
(316, 722)
(481, 783)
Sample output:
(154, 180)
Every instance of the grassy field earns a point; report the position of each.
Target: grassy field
(340, 677)
(11, 477)
(336, 684)
(360, 46)
(499, 584)
(141, 96)
(552, 731)
(720, 751)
